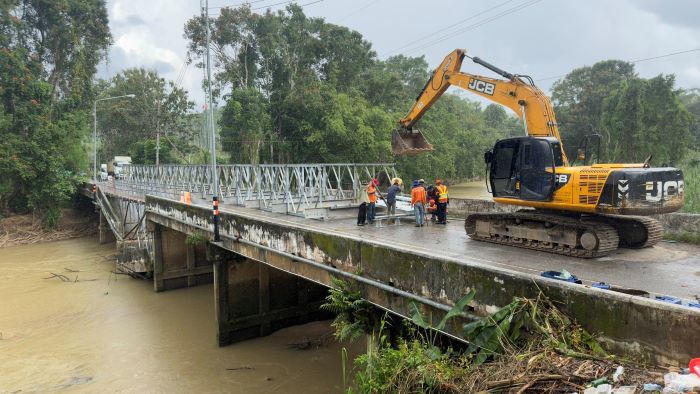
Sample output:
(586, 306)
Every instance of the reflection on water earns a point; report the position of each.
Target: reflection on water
(475, 189)
(107, 333)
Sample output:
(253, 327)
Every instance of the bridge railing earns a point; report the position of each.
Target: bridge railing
(294, 187)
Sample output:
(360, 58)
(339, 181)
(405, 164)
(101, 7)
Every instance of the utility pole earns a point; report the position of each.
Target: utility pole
(158, 135)
(212, 129)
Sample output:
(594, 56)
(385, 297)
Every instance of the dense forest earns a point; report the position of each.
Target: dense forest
(288, 88)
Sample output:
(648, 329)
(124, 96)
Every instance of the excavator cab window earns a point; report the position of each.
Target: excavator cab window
(523, 168)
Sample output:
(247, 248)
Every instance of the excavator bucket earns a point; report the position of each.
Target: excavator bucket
(409, 142)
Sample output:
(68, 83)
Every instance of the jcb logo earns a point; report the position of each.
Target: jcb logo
(657, 191)
(562, 179)
(482, 86)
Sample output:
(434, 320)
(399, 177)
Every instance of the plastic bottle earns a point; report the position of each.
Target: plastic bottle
(618, 372)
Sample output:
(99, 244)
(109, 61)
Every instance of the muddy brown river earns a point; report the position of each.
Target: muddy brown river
(101, 332)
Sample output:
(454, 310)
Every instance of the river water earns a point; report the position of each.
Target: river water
(474, 189)
(109, 333)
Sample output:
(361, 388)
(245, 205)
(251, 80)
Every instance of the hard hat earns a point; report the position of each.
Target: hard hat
(421, 180)
(397, 180)
(375, 181)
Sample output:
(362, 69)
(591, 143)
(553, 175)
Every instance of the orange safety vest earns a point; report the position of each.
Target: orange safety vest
(372, 193)
(442, 193)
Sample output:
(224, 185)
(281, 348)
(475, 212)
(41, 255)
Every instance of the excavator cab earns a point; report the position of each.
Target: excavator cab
(524, 168)
(409, 142)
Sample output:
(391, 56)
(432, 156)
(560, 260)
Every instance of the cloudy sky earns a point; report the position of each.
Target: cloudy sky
(541, 38)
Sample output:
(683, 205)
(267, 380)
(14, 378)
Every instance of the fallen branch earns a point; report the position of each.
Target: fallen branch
(59, 276)
(240, 368)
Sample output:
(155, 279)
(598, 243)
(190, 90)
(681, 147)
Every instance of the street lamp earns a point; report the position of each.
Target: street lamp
(94, 130)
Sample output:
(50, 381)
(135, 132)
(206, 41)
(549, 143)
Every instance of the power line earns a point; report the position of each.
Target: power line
(237, 5)
(369, 3)
(477, 24)
(286, 2)
(632, 61)
(449, 27)
(265, 6)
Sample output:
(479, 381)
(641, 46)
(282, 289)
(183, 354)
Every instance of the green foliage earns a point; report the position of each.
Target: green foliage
(691, 178)
(40, 140)
(354, 316)
(125, 125)
(196, 239)
(303, 90)
(245, 125)
(411, 367)
(691, 100)
(645, 117)
(637, 117)
(525, 326)
(578, 97)
(49, 52)
(144, 152)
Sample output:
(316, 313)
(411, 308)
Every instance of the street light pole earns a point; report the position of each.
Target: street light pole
(94, 131)
(212, 128)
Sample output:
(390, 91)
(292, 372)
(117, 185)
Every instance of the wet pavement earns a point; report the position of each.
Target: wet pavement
(666, 268)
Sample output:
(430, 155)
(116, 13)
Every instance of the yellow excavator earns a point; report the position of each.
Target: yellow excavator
(583, 211)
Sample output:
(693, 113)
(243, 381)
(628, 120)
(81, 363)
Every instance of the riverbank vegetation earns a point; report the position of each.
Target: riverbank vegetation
(527, 345)
(288, 89)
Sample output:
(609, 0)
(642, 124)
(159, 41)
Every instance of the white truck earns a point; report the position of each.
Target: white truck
(116, 167)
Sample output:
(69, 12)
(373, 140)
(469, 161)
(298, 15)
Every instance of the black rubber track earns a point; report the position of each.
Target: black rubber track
(608, 239)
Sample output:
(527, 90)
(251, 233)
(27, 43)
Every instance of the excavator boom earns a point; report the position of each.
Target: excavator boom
(518, 93)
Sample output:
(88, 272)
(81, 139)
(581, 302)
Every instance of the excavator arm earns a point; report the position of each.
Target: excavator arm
(518, 93)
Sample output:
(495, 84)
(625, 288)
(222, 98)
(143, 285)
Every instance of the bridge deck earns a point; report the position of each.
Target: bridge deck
(667, 268)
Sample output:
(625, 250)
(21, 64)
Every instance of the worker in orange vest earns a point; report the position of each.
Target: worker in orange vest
(372, 197)
(418, 200)
(443, 200)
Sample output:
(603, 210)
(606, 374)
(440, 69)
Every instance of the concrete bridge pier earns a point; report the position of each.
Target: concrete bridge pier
(176, 262)
(253, 299)
(105, 233)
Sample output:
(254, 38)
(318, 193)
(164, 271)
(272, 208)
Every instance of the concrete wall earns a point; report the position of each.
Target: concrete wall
(392, 278)
(680, 222)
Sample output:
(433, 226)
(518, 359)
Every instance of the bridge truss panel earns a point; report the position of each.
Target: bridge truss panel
(291, 188)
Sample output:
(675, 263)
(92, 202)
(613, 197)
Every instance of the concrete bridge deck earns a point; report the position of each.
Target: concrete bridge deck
(665, 269)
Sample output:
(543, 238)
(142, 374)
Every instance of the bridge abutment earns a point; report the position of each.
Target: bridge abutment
(254, 300)
(176, 262)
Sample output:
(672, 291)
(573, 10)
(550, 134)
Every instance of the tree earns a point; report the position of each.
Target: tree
(124, 125)
(646, 117)
(691, 100)
(67, 37)
(578, 97)
(245, 124)
(49, 51)
(40, 141)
